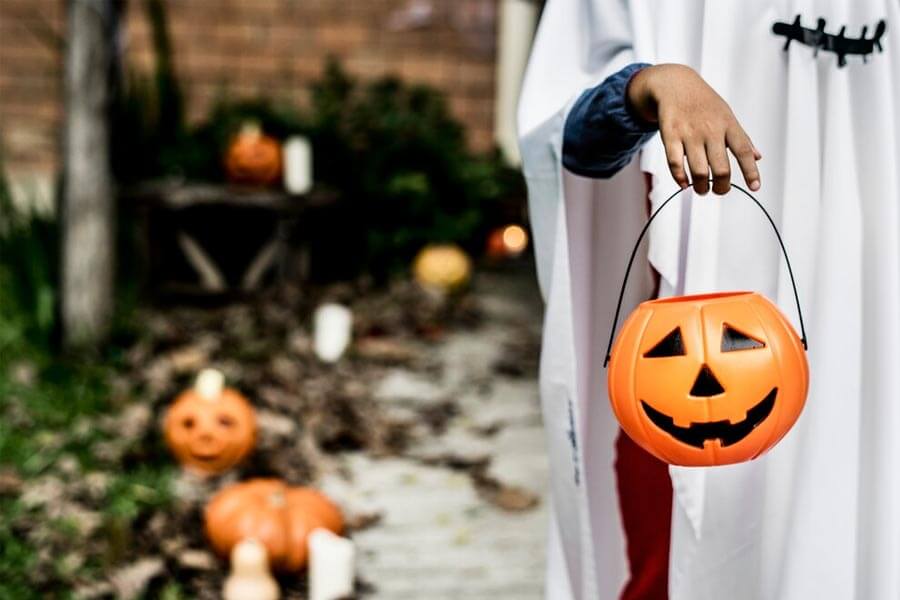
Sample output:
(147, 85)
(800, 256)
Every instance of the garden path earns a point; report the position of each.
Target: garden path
(463, 513)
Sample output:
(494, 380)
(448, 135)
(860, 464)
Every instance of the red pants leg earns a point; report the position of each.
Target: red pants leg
(645, 501)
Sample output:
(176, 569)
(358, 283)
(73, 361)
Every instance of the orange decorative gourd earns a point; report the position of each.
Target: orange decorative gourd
(712, 379)
(253, 158)
(210, 428)
(250, 577)
(279, 516)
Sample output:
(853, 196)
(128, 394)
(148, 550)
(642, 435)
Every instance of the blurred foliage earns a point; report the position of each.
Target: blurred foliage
(53, 427)
(50, 430)
(392, 151)
(29, 279)
(28, 274)
(148, 110)
(49, 405)
(402, 166)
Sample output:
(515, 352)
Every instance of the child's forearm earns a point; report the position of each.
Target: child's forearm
(602, 133)
(610, 122)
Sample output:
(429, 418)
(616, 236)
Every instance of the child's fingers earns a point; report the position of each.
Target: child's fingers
(719, 166)
(675, 158)
(746, 155)
(696, 153)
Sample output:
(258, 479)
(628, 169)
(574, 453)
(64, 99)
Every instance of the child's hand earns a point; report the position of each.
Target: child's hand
(695, 122)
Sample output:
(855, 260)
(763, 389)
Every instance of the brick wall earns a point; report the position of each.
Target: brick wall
(273, 48)
(30, 71)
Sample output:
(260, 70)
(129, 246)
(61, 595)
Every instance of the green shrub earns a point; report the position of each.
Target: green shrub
(28, 273)
(392, 151)
(148, 110)
(403, 169)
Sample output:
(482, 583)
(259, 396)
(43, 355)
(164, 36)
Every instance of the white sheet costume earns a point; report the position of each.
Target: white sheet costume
(819, 516)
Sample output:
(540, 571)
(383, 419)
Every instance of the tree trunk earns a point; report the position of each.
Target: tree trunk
(88, 215)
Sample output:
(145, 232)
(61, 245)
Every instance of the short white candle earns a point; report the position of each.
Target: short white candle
(331, 566)
(209, 384)
(332, 331)
(298, 176)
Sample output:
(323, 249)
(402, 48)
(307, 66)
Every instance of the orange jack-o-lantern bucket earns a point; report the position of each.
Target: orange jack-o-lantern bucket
(711, 379)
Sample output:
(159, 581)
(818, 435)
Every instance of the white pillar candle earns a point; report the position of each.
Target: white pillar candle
(298, 176)
(331, 566)
(332, 331)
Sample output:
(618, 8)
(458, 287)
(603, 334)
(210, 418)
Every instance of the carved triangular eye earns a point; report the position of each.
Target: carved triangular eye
(671, 345)
(733, 340)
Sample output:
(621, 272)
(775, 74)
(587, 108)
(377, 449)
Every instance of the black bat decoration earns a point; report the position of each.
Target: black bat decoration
(839, 44)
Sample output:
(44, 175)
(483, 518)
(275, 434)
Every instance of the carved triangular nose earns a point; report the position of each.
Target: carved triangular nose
(706, 384)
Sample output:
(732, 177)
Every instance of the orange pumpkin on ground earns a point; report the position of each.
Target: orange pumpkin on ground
(442, 267)
(711, 379)
(210, 428)
(281, 517)
(253, 158)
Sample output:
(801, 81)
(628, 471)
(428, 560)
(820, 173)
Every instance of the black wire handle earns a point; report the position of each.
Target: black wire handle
(637, 245)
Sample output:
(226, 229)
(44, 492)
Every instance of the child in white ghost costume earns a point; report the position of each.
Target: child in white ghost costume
(818, 517)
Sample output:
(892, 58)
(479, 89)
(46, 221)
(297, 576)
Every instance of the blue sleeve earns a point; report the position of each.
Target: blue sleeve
(602, 134)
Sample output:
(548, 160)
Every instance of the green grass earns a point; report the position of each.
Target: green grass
(36, 429)
(41, 423)
(51, 407)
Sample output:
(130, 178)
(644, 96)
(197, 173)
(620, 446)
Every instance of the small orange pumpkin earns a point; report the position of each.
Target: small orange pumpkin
(253, 158)
(281, 517)
(442, 267)
(711, 379)
(210, 428)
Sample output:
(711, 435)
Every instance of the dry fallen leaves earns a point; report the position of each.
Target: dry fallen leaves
(130, 581)
(510, 498)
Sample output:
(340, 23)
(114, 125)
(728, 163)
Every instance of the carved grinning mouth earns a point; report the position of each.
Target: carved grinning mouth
(727, 433)
(206, 457)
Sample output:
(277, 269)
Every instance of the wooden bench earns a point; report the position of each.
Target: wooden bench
(200, 239)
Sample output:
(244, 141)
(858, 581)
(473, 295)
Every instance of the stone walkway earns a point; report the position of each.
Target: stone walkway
(438, 537)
